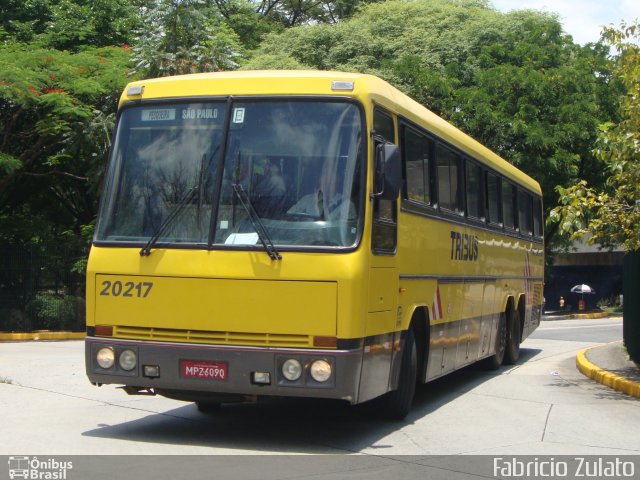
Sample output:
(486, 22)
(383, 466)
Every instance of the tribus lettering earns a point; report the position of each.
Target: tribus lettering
(464, 247)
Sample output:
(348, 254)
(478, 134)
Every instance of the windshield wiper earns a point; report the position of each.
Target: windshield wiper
(258, 226)
(189, 196)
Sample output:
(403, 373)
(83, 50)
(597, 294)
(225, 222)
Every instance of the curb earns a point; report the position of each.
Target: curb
(605, 377)
(42, 335)
(589, 316)
(580, 316)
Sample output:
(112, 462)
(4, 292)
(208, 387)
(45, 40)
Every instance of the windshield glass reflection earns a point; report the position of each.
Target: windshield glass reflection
(299, 163)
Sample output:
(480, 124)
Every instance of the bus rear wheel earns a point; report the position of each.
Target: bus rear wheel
(493, 362)
(512, 352)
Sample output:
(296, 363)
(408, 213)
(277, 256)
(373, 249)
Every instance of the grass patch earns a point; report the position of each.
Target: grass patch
(6, 380)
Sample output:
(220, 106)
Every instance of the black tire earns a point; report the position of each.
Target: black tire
(512, 352)
(493, 362)
(396, 405)
(208, 407)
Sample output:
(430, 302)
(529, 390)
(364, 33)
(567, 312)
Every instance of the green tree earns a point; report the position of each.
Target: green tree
(184, 36)
(611, 215)
(71, 24)
(538, 100)
(55, 118)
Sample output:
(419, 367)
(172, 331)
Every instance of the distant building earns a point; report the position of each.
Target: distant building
(597, 267)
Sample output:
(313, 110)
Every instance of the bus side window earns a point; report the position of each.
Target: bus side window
(537, 217)
(384, 230)
(493, 199)
(416, 150)
(449, 168)
(525, 208)
(508, 205)
(473, 190)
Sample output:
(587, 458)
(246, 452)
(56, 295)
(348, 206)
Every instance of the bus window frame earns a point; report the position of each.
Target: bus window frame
(524, 211)
(498, 223)
(428, 183)
(506, 183)
(210, 245)
(384, 222)
(538, 224)
(482, 217)
(434, 211)
(459, 208)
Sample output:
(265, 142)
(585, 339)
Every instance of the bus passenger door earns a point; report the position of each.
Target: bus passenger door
(382, 315)
(382, 302)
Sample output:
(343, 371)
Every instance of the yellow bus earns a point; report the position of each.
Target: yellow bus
(305, 234)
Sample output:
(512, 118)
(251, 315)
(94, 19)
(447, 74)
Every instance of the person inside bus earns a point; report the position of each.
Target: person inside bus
(270, 194)
(326, 202)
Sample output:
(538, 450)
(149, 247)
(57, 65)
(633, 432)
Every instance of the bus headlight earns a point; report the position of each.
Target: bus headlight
(106, 357)
(292, 369)
(320, 370)
(128, 360)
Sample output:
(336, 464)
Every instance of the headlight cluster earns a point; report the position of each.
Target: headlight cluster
(106, 358)
(319, 370)
(128, 360)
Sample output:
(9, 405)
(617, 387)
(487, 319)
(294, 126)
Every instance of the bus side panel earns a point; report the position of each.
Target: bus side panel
(445, 331)
(376, 364)
(489, 320)
(379, 330)
(470, 326)
(534, 267)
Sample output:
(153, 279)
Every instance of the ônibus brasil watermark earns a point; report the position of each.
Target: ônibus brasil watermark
(32, 468)
(575, 467)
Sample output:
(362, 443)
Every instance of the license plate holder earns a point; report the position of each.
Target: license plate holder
(204, 370)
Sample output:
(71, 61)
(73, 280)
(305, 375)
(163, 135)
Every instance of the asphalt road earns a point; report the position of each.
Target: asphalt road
(597, 331)
(541, 406)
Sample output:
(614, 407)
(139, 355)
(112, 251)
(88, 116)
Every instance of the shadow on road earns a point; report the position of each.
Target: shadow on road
(293, 425)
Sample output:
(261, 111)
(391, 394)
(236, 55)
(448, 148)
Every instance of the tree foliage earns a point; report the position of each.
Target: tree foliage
(56, 114)
(611, 215)
(184, 36)
(70, 24)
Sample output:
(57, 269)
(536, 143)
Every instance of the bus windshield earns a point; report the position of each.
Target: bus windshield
(176, 171)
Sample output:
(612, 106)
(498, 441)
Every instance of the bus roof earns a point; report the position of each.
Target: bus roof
(311, 82)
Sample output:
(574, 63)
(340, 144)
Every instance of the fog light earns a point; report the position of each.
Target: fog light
(127, 360)
(292, 369)
(320, 370)
(105, 357)
(151, 371)
(262, 378)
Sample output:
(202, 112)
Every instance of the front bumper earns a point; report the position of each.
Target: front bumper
(242, 363)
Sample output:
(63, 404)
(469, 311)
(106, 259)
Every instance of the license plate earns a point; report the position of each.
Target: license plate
(204, 370)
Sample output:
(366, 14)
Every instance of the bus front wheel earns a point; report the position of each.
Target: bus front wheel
(395, 405)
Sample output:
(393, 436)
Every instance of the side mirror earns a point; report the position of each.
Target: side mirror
(388, 173)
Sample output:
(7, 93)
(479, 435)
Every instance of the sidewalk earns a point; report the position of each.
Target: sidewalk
(609, 365)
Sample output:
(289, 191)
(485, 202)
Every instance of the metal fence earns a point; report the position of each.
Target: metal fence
(42, 286)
